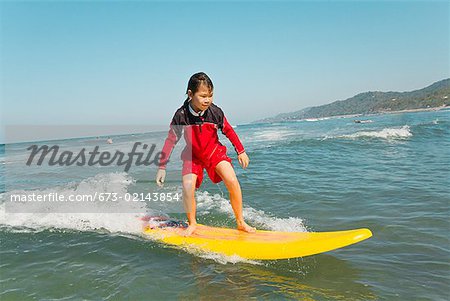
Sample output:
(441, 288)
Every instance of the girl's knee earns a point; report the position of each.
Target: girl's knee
(189, 182)
(231, 181)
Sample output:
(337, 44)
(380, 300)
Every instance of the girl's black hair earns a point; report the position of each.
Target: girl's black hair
(195, 81)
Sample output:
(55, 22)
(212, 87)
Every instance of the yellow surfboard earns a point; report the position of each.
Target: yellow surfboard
(261, 245)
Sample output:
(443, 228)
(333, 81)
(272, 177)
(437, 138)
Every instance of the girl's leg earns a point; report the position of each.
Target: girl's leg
(189, 181)
(226, 172)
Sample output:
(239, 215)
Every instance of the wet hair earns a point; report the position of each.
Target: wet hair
(195, 81)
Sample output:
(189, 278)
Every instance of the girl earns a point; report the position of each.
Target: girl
(200, 119)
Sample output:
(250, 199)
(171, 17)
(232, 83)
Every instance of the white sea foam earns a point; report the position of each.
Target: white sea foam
(386, 133)
(117, 222)
(207, 203)
(217, 257)
(272, 135)
(224, 259)
(59, 214)
(127, 224)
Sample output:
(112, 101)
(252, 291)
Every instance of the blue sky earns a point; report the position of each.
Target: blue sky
(128, 62)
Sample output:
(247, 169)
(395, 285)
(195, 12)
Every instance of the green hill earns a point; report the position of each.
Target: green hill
(436, 95)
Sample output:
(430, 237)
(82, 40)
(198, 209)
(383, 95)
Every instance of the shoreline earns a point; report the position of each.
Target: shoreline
(360, 115)
(411, 110)
(386, 112)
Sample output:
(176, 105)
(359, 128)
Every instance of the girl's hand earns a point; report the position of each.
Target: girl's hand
(243, 160)
(160, 177)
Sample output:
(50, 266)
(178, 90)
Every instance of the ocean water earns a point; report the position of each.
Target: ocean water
(391, 175)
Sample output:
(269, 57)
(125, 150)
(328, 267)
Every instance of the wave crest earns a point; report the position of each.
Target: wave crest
(207, 203)
(386, 133)
(58, 215)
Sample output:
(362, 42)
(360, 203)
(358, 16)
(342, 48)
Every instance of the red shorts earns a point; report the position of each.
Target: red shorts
(196, 166)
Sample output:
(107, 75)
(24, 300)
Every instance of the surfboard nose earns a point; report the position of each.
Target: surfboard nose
(363, 234)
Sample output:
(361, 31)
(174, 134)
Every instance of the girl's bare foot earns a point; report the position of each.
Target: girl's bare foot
(242, 226)
(190, 230)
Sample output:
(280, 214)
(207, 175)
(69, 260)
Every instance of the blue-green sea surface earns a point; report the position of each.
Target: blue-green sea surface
(390, 175)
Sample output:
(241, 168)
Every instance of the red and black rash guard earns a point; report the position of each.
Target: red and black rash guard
(200, 133)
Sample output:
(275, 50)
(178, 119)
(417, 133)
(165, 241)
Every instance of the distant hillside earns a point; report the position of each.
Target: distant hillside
(435, 95)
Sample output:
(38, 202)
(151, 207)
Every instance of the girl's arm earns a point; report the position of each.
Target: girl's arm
(228, 131)
(173, 136)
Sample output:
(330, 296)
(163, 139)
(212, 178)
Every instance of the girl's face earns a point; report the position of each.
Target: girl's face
(202, 99)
